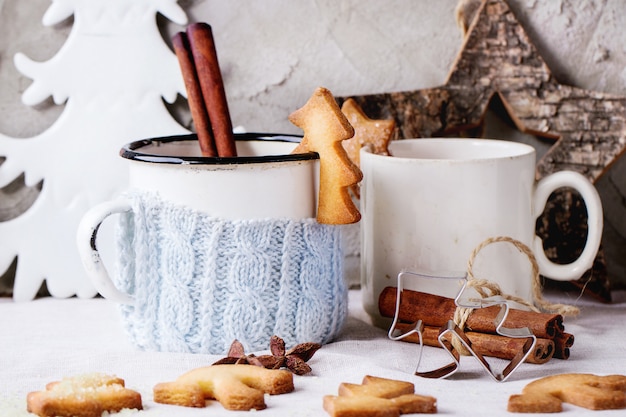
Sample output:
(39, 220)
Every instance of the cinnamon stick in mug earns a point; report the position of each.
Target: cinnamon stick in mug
(435, 310)
(486, 344)
(210, 77)
(194, 95)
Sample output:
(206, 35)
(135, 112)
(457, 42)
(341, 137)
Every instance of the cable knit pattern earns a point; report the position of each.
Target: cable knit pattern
(200, 282)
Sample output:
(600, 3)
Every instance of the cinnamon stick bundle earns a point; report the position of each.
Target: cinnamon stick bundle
(435, 311)
(486, 344)
(197, 57)
(562, 342)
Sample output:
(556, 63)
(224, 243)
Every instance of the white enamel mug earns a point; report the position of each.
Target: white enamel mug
(427, 207)
(215, 249)
(264, 181)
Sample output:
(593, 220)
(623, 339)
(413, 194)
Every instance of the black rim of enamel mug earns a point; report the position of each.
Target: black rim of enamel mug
(133, 151)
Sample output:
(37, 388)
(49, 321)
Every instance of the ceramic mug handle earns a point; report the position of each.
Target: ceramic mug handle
(588, 192)
(86, 239)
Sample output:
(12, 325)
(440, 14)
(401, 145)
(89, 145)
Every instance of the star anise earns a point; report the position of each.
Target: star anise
(236, 355)
(293, 359)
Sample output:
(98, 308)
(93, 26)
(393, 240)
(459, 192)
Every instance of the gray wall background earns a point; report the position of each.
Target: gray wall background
(274, 53)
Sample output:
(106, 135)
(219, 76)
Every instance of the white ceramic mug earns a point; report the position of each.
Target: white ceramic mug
(215, 249)
(427, 207)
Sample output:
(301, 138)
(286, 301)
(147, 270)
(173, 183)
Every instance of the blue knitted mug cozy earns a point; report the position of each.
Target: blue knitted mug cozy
(199, 282)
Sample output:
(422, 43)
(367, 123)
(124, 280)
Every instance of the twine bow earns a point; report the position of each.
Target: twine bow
(486, 288)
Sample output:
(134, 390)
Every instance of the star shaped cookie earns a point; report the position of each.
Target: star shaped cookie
(367, 132)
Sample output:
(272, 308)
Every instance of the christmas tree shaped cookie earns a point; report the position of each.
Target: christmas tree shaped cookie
(325, 127)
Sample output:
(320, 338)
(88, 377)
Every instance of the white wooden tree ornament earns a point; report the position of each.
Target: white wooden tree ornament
(113, 73)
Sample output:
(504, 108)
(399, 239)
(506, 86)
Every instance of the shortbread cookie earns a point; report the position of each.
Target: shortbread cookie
(374, 134)
(378, 397)
(236, 387)
(593, 392)
(325, 127)
(86, 395)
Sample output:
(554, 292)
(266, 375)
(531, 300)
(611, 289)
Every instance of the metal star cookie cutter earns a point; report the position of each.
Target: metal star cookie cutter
(452, 330)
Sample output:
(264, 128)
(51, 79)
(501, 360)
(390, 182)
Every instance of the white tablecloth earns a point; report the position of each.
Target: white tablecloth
(47, 339)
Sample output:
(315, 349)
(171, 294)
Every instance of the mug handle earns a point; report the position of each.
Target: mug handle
(545, 187)
(86, 240)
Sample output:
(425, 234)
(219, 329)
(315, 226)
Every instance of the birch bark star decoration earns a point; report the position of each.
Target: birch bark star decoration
(498, 60)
